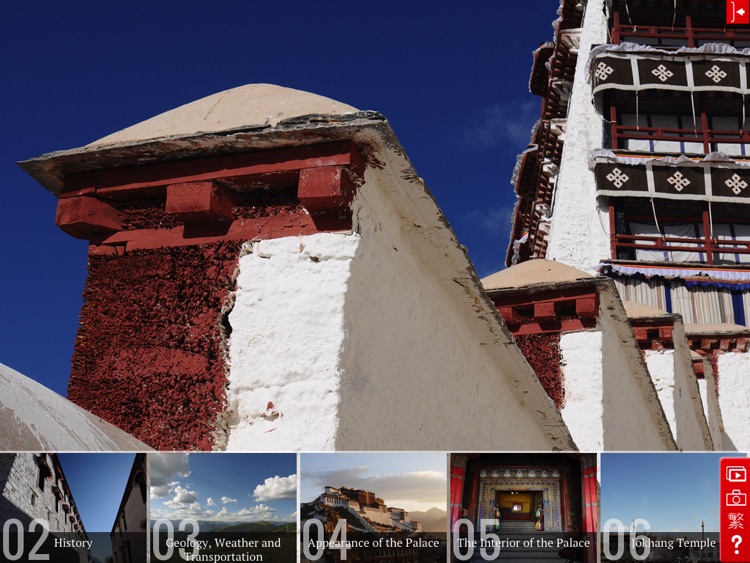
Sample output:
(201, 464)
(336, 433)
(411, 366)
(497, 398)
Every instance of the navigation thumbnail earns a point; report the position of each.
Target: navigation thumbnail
(660, 506)
(73, 508)
(524, 506)
(373, 507)
(223, 507)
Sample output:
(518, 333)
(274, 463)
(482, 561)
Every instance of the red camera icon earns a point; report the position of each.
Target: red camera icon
(736, 498)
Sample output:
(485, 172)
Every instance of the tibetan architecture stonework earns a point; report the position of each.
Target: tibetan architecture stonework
(266, 260)
(267, 270)
(165, 236)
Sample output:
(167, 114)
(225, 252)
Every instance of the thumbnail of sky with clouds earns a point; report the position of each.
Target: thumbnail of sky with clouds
(223, 487)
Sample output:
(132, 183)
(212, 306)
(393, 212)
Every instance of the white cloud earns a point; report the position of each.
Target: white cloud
(259, 512)
(502, 123)
(226, 500)
(176, 511)
(277, 488)
(163, 468)
(160, 491)
(183, 496)
(210, 501)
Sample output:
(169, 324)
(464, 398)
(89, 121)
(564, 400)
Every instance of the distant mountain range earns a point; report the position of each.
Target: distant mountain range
(258, 527)
(433, 520)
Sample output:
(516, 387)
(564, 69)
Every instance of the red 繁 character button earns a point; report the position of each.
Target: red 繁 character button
(738, 12)
(735, 518)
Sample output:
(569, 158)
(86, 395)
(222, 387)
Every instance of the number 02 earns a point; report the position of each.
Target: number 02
(34, 555)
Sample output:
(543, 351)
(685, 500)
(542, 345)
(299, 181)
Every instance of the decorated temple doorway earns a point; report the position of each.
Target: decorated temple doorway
(521, 500)
(527, 493)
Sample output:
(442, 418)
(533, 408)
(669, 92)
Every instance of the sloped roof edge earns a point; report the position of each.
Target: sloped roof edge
(50, 169)
(35, 418)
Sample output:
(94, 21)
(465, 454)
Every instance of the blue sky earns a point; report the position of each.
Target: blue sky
(452, 78)
(673, 492)
(224, 487)
(412, 481)
(97, 483)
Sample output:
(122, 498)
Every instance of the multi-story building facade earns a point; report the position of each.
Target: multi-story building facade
(369, 507)
(637, 168)
(34, 487)
(637, 171)
(128, 534)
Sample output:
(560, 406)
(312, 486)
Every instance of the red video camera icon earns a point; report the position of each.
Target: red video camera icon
(736, 474)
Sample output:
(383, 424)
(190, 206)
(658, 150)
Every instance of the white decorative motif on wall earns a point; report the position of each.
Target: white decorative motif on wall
(716, 74)
(736, 183)
(618, 177)
(704, 181)
(662, 73)
(678, 181)
(603, 70)
(517, 473)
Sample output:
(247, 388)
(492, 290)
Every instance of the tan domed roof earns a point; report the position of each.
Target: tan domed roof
(244, 106)
(533, 272)
(637, 310)
(696, 329)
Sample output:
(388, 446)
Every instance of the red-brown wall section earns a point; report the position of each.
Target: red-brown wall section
(149, 352)
(542, 351)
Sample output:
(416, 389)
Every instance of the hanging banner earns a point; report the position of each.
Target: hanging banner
(646, 70)
(678, 179)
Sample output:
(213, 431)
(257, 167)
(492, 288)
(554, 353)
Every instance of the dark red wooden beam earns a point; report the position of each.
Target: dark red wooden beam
(111, 182)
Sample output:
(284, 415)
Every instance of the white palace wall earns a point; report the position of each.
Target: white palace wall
(734, 390)
(610, 401)
(674, 379)
(579, 233)
(381, 340)
(415, 364)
